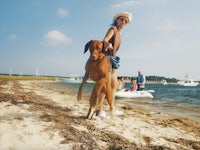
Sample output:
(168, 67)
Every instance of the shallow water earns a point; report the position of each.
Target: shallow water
(171, 99)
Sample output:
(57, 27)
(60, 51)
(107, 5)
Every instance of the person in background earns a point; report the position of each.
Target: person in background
(140, 81)
(120, 83)
(134, 86)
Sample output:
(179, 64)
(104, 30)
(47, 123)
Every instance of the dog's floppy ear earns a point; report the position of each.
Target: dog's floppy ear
(87, 45)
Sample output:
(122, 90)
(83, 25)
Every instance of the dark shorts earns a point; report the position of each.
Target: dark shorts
(115, 61)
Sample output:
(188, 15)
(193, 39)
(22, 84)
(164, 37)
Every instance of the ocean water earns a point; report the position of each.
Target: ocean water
(170, 99)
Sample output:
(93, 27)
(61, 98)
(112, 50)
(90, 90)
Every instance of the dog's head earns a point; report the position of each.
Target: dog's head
(97, 49)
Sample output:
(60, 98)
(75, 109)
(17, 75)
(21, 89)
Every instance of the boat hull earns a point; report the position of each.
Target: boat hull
(133, 94)
(190, 84)
(71, 80)
(188, 81)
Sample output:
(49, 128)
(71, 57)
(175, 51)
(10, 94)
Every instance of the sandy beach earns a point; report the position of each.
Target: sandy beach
(33, 117)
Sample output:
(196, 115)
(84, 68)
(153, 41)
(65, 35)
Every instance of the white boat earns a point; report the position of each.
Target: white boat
(71, 80)
(124, 93)
(164, 82)
(75, 80)
(188, 81)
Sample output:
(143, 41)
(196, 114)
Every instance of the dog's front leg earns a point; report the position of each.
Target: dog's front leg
(95, 102)
(101, 99)
(92, 103)
(98, 96)
(79, 96)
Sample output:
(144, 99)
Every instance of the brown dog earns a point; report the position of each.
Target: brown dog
(99, 69)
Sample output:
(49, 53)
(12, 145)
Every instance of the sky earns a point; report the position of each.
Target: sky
(47, 37)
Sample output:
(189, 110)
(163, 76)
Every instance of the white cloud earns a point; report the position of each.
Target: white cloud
(126, 4)
(61, 12)
(55, 38)
(168, 26)
(131, 3)
(156, 44)
(13, 37)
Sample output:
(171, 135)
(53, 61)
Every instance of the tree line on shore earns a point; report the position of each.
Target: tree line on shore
(127, 78)
(153, 78)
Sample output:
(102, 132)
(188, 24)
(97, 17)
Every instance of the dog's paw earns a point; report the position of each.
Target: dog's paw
(79, 97)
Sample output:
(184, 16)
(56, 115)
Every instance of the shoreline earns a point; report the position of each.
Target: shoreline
(56, 120)
(182, 110)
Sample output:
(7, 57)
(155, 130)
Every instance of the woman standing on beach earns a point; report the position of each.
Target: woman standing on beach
(113, 36)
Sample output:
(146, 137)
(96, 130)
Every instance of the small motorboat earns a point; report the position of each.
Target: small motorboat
(164, 82)
(72, 80)
(126, 93)
(188, 81)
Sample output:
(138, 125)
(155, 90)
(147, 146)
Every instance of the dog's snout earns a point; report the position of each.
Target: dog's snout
(94, 55)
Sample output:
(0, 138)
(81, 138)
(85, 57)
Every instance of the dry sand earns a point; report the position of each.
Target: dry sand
(32, 117)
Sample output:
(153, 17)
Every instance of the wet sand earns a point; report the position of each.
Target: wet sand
(34, 117)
